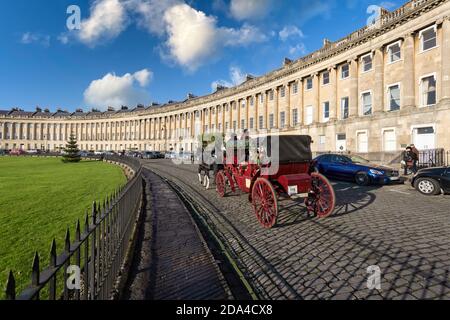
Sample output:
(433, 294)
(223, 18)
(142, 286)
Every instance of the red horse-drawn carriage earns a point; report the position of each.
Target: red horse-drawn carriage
(268, 175)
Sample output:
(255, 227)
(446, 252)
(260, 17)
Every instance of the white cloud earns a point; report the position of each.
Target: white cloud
(237, 77)
(194, 37)
(290, 31)
(150, 13)
(298, 50)
(30, 38)
(107, 21)
(63, 38)
(143, 77)
(246, 35)
(191, 37)
(249, 9)
(116, 91)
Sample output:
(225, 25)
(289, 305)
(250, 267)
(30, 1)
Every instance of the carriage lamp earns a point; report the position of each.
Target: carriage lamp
(292, 190)
(376, 172)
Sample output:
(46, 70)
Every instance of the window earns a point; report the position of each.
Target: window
(326, 78)
(295, 88)
(345, 71)
(271, 95)
(283, 91)
(251, 123)
(234, 105)
(271, 121)
(326, 111)
(261, 122)
(282, 119)
(295, 117)
(261, 98)
(394, 97)
(309, 84)
(322, 142)
(344, 108)
(309, 115)
(252, 102)
(394, 52)
(322, 139)
(226, 125)
(243, 104)
(389, 140)
(428, 38)
(367, 103)
(362, 141)
(428, 91)
(367, 62)
(243, 124)
(234, 126)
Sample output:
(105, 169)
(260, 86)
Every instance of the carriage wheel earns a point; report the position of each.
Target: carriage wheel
(265, 203)
(221, 184)
(322, 199)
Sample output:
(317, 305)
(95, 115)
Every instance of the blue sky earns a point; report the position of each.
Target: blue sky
(142, 51)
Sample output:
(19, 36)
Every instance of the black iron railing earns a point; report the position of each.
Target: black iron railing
(433, 158)
(98, 251)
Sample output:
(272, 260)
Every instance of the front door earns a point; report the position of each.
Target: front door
(341, 143)
(424, 138)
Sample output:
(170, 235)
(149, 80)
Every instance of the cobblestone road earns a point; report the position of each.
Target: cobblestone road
(404, 233)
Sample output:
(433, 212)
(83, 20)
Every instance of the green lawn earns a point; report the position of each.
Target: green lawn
(39, 199)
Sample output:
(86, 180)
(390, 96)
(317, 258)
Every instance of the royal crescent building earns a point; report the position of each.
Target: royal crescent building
(373, 92)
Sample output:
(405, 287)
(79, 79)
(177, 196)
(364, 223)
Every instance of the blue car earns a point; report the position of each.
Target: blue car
(354, 168)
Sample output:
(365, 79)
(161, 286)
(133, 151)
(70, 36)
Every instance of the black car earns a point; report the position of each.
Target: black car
(432, 181)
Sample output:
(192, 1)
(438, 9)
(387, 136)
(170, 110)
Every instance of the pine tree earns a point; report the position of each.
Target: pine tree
(72, 153)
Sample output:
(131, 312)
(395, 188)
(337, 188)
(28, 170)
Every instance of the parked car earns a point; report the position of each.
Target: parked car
(3, 152)
(432, 181)
(86, 154)
(150, 155)
(34, 152)
(17, 152)
(170, 155)
(355, 168)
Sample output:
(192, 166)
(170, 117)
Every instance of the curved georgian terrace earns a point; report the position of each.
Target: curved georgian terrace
(372, 92)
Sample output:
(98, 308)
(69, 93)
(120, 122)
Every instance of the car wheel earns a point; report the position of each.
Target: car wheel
(362, 179)
(427, 186)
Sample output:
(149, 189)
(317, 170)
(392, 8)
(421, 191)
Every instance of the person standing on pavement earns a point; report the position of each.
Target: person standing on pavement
(409, 158)
(416, 157)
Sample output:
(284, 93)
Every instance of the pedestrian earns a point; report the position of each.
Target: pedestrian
(408, 159)
(416, 157)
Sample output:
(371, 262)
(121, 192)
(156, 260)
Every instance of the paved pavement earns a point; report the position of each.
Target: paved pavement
(405, 234)
(172, 262)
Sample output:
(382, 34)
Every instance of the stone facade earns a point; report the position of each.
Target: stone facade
(373, 92)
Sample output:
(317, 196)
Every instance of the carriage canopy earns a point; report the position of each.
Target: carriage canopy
(291, 148)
